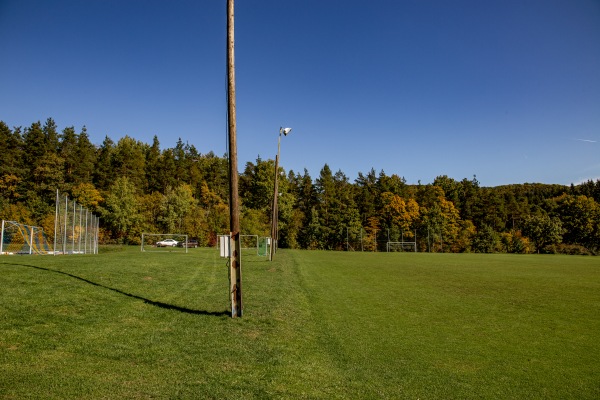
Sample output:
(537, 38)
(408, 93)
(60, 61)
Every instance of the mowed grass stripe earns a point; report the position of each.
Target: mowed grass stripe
(461, 325)
(316, 325)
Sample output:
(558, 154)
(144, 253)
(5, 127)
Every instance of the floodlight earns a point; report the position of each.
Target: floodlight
(285, 131)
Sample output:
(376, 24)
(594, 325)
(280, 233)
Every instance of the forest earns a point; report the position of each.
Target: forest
(136, 187)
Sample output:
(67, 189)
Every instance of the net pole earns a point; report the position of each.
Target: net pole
(97, 230)
(64, 244)
(30, 239)
(56, 222)
(80, 228)
(85, 238)
(2, 238)
(91, 232)
(73, 227)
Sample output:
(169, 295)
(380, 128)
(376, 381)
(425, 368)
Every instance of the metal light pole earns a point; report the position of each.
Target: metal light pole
(275, 210)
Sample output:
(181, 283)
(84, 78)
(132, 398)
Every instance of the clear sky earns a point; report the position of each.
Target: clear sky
(505, 90)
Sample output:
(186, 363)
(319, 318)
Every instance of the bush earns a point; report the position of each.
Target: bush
(570, 249)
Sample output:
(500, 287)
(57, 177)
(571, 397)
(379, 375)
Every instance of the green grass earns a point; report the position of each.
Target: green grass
(126, 324)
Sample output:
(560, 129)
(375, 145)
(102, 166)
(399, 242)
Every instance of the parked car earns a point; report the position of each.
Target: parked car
(167, 243)
(190, 243)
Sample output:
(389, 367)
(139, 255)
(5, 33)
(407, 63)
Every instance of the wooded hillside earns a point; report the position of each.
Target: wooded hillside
(137, 187)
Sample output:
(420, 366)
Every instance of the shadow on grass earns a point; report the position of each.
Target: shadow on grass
(145, 300)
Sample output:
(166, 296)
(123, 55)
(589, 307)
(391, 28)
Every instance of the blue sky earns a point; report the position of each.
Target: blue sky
(505, 90)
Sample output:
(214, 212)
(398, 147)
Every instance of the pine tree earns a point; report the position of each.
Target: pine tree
(86, 152)
(68, 152)
(103, 172)
(152, 167)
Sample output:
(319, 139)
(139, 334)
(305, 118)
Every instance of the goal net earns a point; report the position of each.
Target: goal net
(165, 242)
(401, 246)
(17, 238)
(264, 246)
(249, 243)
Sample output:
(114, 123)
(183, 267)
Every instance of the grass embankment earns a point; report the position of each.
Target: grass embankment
(316, 325)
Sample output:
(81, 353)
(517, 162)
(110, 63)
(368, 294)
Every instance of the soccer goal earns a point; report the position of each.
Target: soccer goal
(249, 242)
(17, 238)
(165, 242)
(401, 246)
(264, 246)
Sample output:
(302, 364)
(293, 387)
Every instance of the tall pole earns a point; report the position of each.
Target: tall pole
(1, 238)
(56, 222)
(275, 196)
(235, 264)
(66, 218)
(97, 225)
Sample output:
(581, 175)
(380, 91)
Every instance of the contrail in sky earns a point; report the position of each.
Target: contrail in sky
(587, 140)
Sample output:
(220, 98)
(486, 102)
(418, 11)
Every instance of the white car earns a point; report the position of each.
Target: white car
(167, 243)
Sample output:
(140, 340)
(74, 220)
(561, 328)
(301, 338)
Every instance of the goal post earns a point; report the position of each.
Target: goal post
(164, 242)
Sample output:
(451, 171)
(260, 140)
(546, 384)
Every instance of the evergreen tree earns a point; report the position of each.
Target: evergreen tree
(68, 152)
(11, 151)
(325, 189)
(103, 172)
(182, 171)
(366, 195)
(86, 151)
(34, 146)
(51, 137)
(12, 172)
(167, 171)
(153, 167)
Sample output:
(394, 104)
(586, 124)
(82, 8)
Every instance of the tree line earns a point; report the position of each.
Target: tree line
(137, 187)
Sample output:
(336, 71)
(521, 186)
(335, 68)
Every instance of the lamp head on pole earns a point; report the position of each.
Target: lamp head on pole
(285, 131)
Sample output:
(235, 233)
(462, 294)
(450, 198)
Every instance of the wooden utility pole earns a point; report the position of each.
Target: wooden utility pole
(235, 265)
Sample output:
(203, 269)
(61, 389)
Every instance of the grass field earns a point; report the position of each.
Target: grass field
(316, 325)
